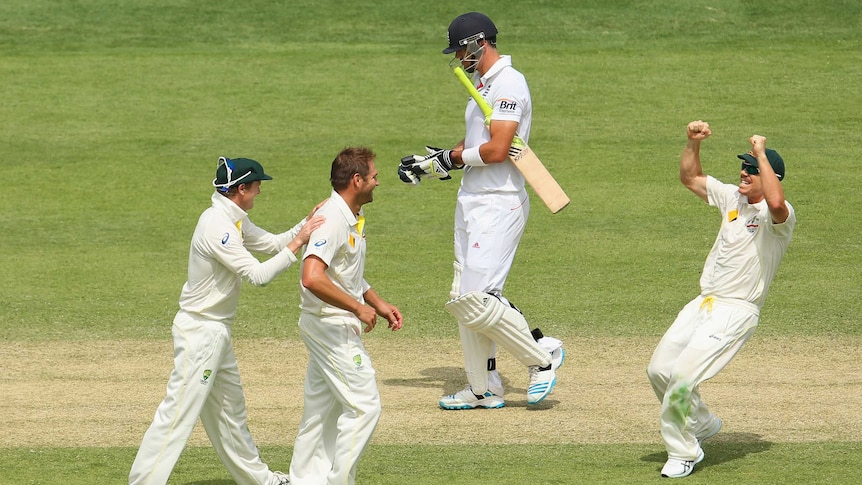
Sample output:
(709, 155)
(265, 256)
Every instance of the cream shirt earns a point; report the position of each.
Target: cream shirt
(219, 259)
(749, 247)
(340, 243)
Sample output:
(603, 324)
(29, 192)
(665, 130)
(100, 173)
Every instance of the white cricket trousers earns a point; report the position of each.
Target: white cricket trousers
(488, 229)
(705, 336)
(341, 405)
(205, 382)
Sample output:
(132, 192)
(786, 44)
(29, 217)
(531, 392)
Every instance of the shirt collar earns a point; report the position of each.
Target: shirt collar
(344, 208)
(233, 211)
(502, 63)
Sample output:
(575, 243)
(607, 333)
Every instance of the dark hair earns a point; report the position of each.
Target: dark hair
(350, 161)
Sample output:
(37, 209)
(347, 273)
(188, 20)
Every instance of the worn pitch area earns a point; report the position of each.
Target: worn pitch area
(104, 393)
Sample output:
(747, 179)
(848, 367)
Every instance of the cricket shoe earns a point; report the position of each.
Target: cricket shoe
(675, 468)
(543, 379)
(711, 431)
(465, 399)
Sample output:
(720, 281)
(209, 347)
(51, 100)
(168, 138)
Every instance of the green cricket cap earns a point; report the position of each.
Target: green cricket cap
(774, 158)
(234, 171)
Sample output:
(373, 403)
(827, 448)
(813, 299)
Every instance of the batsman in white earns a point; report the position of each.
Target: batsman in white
(490, 216)
(205, 381)
(342, 403)
(756, 227)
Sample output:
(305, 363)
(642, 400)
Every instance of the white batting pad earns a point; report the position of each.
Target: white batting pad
(477, 348)
(501, 323)
(456, 281)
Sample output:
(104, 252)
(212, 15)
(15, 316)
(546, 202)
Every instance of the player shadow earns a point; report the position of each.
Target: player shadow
(448, 379)
(722, 448)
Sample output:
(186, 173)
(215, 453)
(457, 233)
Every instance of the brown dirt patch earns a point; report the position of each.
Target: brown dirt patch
(104, 393)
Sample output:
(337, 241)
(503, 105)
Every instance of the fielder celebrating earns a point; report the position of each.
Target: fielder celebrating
(342, 403)
(205, 381)
(490, 216)
(756, 227)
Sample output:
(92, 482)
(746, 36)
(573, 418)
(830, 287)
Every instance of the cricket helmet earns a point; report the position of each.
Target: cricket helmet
(468, 27)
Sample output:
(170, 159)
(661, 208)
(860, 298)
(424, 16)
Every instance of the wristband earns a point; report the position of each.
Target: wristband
(471, 156)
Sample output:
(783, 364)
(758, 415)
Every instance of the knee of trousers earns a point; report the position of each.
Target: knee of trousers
(657, 373)
(370, 409)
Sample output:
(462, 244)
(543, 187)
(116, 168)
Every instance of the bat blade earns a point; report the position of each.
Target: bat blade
(539, 178)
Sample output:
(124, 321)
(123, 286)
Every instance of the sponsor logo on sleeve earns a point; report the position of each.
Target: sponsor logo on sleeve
(508, 106)
(225, 238)
(320, 243)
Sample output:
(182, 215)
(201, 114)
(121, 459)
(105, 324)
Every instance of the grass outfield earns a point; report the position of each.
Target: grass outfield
(113, 115)
(730, 463)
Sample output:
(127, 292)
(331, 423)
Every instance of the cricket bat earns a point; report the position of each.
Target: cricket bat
(533, 170)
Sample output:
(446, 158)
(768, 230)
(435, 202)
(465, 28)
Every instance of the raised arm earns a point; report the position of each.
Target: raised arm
(773, 192)
(690, 171)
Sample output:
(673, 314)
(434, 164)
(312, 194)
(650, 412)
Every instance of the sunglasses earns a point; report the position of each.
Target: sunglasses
(750, 169)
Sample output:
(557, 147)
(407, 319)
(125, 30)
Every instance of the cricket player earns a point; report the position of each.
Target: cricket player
(342, 403)
(205, 380)
(490, 216)
(756, 227)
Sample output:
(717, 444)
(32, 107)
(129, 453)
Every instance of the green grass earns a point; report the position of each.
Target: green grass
(114, 112)
(740, 463)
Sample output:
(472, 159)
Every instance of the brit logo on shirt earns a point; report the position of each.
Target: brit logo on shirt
(509, 106)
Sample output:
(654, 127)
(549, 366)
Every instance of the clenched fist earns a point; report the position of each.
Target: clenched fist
(698, 130)
(758, 145)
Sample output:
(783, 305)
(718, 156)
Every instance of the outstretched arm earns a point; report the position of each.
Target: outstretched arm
(690, 171)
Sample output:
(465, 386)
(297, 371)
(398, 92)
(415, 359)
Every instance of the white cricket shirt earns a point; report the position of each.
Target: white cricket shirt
(749, 247)
(340, 243)
(219, 258)
(507, 92)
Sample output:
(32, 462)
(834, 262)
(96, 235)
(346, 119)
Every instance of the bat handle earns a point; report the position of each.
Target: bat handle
(474, 93)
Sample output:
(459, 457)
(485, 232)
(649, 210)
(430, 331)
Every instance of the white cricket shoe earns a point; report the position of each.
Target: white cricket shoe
(465, 399)
(675, 468)
(711, 431)
(543, 379)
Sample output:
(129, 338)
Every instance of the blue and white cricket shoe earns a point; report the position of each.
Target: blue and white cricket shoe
(543, 379)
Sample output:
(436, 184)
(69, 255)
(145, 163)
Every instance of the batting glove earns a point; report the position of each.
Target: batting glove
(436, 164)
